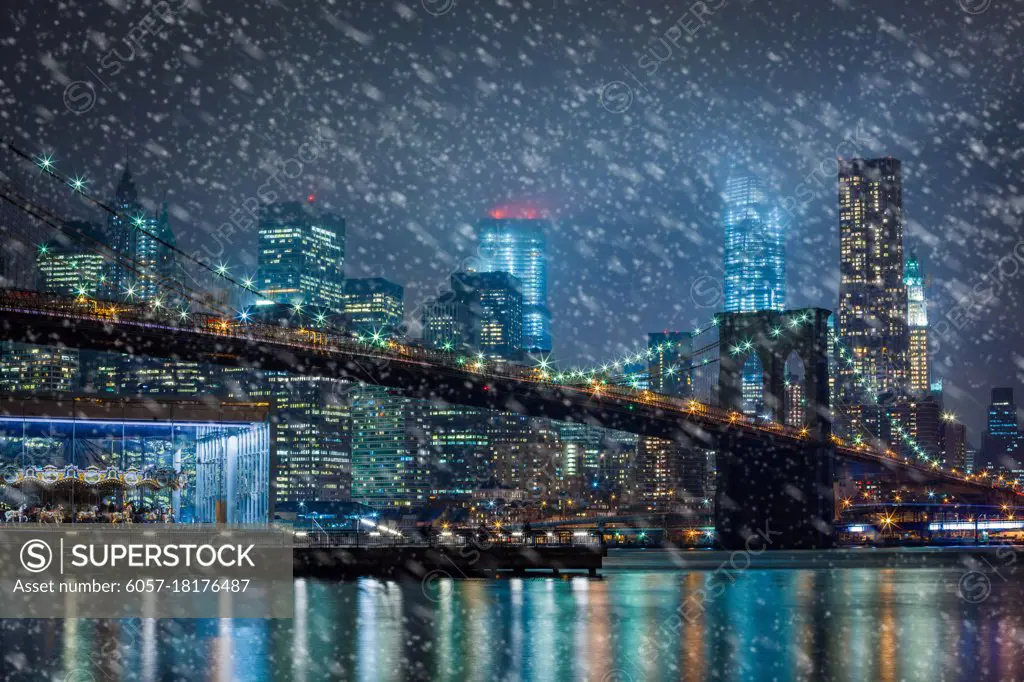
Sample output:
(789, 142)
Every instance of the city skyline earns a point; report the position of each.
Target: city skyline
(125, 196)
(856, 188)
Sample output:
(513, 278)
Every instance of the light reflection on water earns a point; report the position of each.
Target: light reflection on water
(780, 624)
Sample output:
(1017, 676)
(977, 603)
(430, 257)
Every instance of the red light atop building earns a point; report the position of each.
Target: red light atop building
(513, 212)
(311, 198)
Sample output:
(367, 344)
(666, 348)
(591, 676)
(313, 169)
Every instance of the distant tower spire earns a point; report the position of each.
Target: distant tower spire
(126, 193)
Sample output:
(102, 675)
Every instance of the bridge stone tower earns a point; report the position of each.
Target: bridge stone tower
(772, 491)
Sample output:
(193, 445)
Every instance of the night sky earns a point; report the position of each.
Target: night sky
(440, 110)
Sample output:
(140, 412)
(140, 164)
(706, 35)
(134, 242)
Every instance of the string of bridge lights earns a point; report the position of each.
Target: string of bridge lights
(618, 368)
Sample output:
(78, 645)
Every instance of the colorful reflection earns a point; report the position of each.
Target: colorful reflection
(670, 624)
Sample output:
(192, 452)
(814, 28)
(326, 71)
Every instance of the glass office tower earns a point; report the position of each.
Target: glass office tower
(755, 257)
(301, 256)
(518, 246)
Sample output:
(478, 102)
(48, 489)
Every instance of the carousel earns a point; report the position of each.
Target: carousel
(52, 494)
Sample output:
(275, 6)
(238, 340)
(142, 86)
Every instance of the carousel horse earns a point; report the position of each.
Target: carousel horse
(54, 516)
(17, 515)
(88, 516)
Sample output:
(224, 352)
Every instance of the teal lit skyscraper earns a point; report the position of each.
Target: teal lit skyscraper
(755, 257)
(755, 265)
(301, 256)
(121, 237)
(518, 246)
(144, 267)
(154, 256)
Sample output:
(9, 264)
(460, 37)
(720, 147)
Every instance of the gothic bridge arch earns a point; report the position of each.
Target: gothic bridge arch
(772, 336)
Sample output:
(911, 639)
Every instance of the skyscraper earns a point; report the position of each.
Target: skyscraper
(447, 323)
(373, 306)
(312, 438)
(496, 309)
(921, 420)
(518, 246)
(154, 257)
(387, 469)
(311, 430)
(1002, 438)
(833, 360)
(301, 256)
(917, 323)
(525, 453)
(456, 442)
(669, 356)
(121, 236)
(872, 296)
(71, 268)
(141, 375)
(953, 437)
(582, 446)
(144, 267)
(755, 264)
(669, 472)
